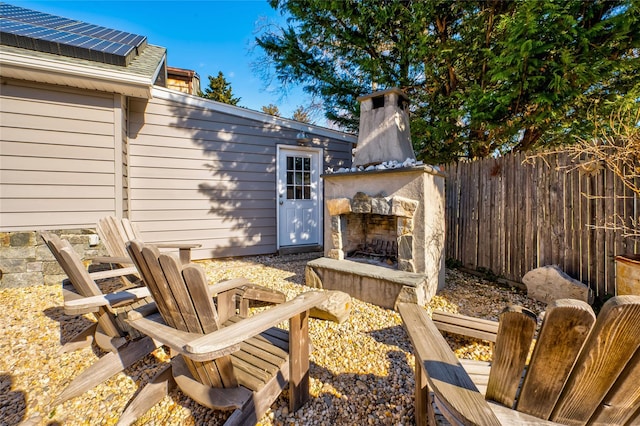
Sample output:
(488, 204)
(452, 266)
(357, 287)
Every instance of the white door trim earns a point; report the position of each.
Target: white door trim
(320, 195)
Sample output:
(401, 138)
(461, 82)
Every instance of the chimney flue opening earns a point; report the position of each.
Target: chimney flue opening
(377, 102)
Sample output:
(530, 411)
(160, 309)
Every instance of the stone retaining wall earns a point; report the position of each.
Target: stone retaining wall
(26, 261)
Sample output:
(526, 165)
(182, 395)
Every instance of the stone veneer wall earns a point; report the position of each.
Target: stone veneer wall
(26, 261)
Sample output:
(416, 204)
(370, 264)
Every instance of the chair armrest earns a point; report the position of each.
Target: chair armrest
(111, 259)
(466, 326)
(155, 327)
(262, 294)
(181, 246)
(84, 305)
(214, 346)
(248, 291)
(448, 380)
(111, 273)
(226, 340)
(222, 286)
(184, 249)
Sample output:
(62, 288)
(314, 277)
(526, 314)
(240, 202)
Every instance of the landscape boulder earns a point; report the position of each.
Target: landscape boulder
(549, 283)
(337, 307)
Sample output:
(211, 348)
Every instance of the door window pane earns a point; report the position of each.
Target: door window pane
(298, 178)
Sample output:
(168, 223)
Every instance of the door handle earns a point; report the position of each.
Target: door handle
(281, 202)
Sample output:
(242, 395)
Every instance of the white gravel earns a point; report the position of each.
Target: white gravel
(361, 370)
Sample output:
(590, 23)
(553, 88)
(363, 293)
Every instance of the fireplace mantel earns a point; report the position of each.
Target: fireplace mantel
(424, 168)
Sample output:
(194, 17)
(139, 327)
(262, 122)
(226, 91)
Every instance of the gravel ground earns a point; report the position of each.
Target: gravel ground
(361, 370)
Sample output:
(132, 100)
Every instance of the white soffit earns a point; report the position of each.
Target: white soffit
(49, 70)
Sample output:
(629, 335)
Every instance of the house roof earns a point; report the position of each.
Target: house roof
(182, 72)
(34, 30)
(196, 101)
(31, 49)
(135, 80)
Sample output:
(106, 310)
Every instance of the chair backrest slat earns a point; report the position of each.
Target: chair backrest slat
(161, 290)
(71, 264)
(191, 293)
(201, 297)
(622, 402)
(130, 230)
(513, 342)
(80, 279)
(134, 250)
(185, 303)
(177, 287)
(112, 235)
(608, 350)
(566, 325)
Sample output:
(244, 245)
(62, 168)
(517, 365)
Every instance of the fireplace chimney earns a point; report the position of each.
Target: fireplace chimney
(384, 133)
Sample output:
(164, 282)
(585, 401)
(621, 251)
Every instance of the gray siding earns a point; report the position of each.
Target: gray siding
(56, 157)
(183, 168)
(199, 174)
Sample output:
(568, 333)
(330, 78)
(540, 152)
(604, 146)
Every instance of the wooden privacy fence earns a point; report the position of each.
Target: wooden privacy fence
(511, 214)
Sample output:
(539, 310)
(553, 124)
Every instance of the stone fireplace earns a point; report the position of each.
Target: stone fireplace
(384, 217)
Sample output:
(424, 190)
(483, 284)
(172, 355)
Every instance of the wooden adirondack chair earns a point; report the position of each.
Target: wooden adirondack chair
(225, 362)
(115, 233)
(124, 344)
(581, 370)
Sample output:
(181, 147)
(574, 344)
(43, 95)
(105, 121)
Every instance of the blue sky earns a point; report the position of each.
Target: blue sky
(205, 36)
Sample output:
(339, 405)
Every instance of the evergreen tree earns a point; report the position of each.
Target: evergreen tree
(219, 89)
(301, 115)
(483, 76)
(271, 109)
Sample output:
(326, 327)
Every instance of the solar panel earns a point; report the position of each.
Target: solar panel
(30, 29)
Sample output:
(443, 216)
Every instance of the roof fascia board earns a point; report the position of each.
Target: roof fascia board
(198, 102)
(158, 69)
(46, 70)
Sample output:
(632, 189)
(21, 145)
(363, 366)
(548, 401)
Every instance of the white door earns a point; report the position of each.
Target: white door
(298, 196)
